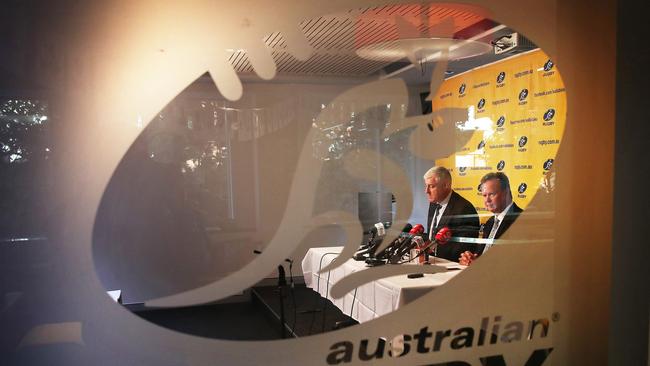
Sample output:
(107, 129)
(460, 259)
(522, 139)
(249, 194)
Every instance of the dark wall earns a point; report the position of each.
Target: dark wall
(628, 340)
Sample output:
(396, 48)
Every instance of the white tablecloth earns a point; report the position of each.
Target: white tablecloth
(372, 299)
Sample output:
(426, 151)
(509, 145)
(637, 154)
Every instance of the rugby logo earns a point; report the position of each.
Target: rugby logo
(500, 165)
(523, 94)
(481, 103)
(522, 188)
(480, 145)
(522, 141)
(550, 113)
(462, 169)
(501, 77)
(548, 164)
(461, 90)
(548, 65)
(501, 121)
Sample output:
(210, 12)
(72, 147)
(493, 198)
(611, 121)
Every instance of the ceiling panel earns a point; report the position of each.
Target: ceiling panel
(335, 38)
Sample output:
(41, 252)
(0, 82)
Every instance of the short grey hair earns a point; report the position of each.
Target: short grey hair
(440, 172)
(504, 182)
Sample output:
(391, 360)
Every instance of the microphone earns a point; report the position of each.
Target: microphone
(377, 229)
(441, 238)
(395, 244)
(443, 235)
(374, 259)
(406, 245)
(376, 232)
(418, 243)
(282, 279)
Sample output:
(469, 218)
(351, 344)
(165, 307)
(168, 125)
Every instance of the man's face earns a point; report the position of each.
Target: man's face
(494, 198)
(436, 189)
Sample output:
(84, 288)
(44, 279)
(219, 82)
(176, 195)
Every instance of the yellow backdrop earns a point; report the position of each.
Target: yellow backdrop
(517, 110)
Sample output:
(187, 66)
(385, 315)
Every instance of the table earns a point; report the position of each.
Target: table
(375, 298)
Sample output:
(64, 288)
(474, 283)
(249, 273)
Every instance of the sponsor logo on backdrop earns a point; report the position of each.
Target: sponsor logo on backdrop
(548, 164)
(500, 165)
(549, 92)
(501, 146)
(501, 77)
(522, 141)
(523, 73)
(461, 90)
(548, 68)
(501, 101)
(462, 171)
(549, 114)
(501, 121)
(490, 331)
(446, 95)
(524, 120)
(480, 85)
(462, 188)
(548, 117)
(480, 145)
(523, 94)
(521, 189)
(548, 65)
(549, 142)
(481, 104)
(523, 167)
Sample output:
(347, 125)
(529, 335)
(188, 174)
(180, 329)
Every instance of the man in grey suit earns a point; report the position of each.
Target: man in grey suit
(497, 197)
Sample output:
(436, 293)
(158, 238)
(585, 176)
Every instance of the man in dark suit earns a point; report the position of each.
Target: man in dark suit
(495, 188)
(449, 209)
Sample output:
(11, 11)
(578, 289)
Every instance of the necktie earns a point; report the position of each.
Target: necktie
(493, 233)
(432, 230)
(495, 227)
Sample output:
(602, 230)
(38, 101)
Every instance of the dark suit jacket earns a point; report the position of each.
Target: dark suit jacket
(460, 216)
(508, 219)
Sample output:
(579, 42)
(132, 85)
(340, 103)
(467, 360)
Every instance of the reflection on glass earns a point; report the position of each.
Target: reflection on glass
(22, 124)
(210, 181)
(25, 152)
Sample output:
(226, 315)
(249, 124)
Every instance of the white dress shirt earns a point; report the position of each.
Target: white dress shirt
(434, 223)
(498, 219)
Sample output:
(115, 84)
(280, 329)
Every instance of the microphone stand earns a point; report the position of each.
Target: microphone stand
(368, 248)
(373, 260)
(282, 282)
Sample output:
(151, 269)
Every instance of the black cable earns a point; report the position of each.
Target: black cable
(293, 297)
(327, 293)
(354, 297)
(422, 251)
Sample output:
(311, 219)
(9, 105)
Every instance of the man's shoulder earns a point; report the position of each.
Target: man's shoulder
(513, 213)
(516, 210)
(461, 201)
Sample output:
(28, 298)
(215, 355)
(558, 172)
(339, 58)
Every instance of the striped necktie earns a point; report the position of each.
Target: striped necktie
(495, 227)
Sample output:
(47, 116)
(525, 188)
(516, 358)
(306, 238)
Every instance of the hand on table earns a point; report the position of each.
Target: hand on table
(466, 258)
